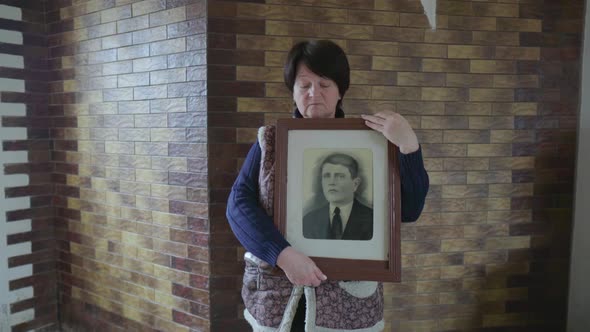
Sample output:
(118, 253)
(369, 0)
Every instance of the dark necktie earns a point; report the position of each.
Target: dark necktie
(336, 230)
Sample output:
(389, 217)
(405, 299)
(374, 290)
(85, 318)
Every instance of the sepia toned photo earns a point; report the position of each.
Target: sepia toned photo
(338, 194)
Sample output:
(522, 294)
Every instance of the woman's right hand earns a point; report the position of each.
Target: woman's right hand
(299, 268)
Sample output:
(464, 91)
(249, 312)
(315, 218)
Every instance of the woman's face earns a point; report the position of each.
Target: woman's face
(315, 96)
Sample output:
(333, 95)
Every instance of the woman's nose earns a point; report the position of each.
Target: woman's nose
(311, 91)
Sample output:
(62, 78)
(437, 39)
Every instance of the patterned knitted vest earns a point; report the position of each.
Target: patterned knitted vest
(271, 299)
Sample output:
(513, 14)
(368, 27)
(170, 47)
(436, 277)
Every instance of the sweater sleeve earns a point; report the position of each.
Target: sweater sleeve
(252, 226)
(414, 185)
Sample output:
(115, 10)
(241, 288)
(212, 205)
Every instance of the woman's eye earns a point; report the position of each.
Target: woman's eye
(325, 85)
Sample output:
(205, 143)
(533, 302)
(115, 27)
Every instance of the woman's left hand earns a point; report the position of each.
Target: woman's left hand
(395, 128)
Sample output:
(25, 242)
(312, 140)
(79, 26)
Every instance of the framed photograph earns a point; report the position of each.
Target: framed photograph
(337, 197)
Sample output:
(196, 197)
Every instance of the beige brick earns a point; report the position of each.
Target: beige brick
(420, 273)
(494, 38)
(169, 163)
(151, 176)
(268, 43)
(496, 122)
(283, 28)
(493, 95)
(480, 177)
(265, 74)
(444, 94)
(446, 178)
(513, 242)
(481, 231)
(444, 150)
(419, 107)
(464, 191)
(518, 216)
(514, 109)
(429, 136)
(420, 247)
(512, 136)
(470, 52)
(489, 150)
(512, 163)
(465, 136)
(485, 257)
(263, 104)
(462, 218)
(461, 245)
(168, 192)
(152, 203)
(167, 134)
(468, 108)
(480, 204)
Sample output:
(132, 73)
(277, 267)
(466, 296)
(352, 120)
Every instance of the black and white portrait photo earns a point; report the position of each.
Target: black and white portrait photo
(337, 191)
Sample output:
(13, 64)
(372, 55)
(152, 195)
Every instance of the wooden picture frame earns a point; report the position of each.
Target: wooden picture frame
(302, 147)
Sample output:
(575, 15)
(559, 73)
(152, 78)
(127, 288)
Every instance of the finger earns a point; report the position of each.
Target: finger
(373, 118)
(374, 126)
(320, 274)
(385, 114)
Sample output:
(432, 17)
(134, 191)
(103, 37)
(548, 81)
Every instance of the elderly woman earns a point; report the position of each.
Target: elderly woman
(304, 299)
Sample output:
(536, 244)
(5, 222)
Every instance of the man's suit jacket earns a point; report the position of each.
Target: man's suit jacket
(316, 224)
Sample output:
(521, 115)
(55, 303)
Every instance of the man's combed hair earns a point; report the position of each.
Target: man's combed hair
(344, 160)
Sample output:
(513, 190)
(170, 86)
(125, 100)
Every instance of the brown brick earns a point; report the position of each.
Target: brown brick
(297, 13)
(447, 37)
(396, 64)
(495, 9)
(466, 136)
(412, 20)
(362, 47)
(472, 23)
(444, 65)
(496, 38)
(374, 18)
(423, 50)
(395, 93)
(469, 80)
(409, 35)
(420, 79)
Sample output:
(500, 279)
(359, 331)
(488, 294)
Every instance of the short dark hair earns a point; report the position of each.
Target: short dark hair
(324, 58)
(344, 160)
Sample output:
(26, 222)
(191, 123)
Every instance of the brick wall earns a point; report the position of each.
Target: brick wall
(130, 159)
(493, 96)
(28, 282)
(138, 116)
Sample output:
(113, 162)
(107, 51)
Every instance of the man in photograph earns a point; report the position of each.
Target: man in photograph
(343, 217)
